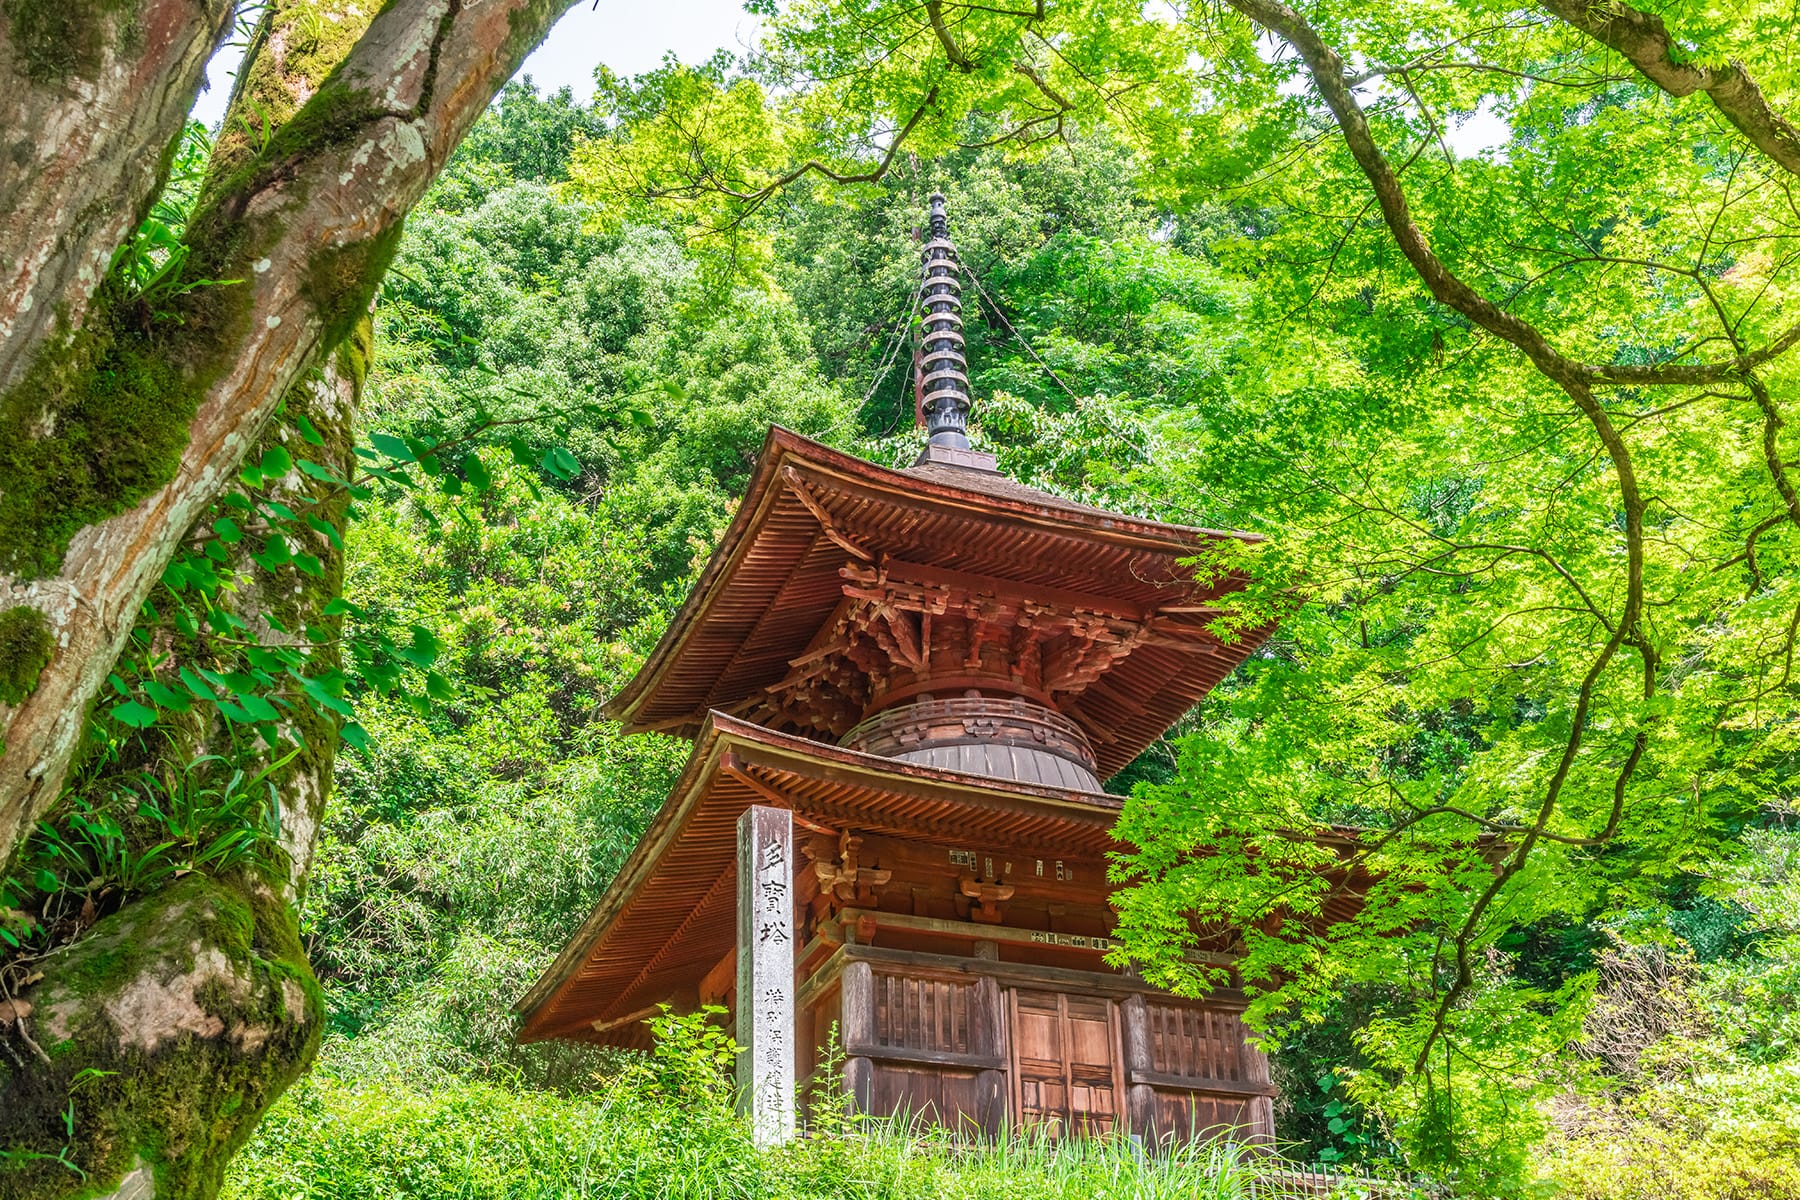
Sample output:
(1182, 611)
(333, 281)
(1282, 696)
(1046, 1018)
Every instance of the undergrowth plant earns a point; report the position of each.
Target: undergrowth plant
(350, 1140)
(148, 267)
(99, 851)
(665, 1125)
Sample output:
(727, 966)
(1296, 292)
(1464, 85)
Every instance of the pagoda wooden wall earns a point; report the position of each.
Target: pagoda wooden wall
(982, 1046)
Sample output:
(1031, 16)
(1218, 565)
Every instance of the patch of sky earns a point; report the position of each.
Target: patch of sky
(629, 36)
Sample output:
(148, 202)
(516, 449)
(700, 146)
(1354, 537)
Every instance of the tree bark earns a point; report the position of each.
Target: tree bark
(306, 225)
(1643, 39)
(93, 97)
(165, 1032)
(198, 1028)
(135, 1059)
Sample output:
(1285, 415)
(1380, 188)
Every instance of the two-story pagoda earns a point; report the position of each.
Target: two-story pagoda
(904, 688)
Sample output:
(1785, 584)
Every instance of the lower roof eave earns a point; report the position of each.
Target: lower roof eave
(728, 745)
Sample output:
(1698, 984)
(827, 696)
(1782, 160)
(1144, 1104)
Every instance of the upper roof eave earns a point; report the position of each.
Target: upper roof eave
(783, 446)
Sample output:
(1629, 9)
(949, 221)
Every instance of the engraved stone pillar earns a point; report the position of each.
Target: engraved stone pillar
(765, 972)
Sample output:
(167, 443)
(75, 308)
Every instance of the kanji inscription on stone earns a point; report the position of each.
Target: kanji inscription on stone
(765, 971)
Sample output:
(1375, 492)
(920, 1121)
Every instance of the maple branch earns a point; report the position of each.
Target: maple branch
(1644, 41)
(934, 10)
(1056, 97)
(1700, 373)
(754, 200)
(1326, 67)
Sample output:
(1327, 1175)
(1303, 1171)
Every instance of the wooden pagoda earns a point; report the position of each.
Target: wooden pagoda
(904, 688)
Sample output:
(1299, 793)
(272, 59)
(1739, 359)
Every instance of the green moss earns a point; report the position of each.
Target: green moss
(335, 116)
(525, 27)
(355, 353)
(185, 1103)
(26, 646)
(314, 38)
(341, 282)
(101, 419)
(61, 39)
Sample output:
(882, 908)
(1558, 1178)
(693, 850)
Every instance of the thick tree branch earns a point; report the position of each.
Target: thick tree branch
(934, 10)
(1644, 40)
(1043, 85)
(308, 227)
(1700, 374)
(89, 115)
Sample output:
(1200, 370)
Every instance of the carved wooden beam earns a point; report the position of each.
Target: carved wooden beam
(824, 516)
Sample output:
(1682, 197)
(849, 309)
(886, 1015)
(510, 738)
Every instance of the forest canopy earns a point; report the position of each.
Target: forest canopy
(1512, 421)
(1446, 556)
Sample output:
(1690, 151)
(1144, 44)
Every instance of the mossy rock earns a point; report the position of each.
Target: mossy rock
(168, 1031)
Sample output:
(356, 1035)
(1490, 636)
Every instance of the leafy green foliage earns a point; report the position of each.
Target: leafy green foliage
(348, 1141)
(149, 265)
(1188, 310)
(1700, 1087)
(99, 852)
(692, 1060)
(26, 645)
(456, 860)
(531, 136)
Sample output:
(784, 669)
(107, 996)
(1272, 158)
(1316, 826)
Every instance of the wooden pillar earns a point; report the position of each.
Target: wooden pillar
(859, 1034)
(989, 1020)
(1262, 1108)
(765, 972)
(1140, 1098)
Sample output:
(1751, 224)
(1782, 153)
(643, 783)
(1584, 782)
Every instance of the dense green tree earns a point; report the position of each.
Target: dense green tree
(459, 857)
(1514, 421)
(183, 337)
(1134, 348)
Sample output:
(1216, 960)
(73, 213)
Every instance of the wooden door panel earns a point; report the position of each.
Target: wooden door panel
(1065, 1062)
(1193, 1072)
(1090, 1031)
(968, 1103)
(1183, 1116)
(1202, 1043)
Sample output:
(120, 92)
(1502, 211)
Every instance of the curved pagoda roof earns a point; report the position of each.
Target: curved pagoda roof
(813, 516)
(670, 915)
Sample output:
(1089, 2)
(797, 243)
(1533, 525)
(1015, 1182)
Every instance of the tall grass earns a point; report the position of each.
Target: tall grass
(330, 1138)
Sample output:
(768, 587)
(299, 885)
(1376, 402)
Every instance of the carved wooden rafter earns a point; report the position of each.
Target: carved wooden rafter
(892, 631)
(827, 522)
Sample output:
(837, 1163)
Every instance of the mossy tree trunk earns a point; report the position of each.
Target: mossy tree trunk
(138, 1057)
(92, 94)
(128, 417)
(143, 1053)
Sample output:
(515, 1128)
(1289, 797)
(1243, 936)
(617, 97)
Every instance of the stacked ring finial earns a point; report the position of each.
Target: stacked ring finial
(944, 372)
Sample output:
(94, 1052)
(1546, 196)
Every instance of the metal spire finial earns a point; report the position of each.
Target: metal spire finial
(943, 372)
